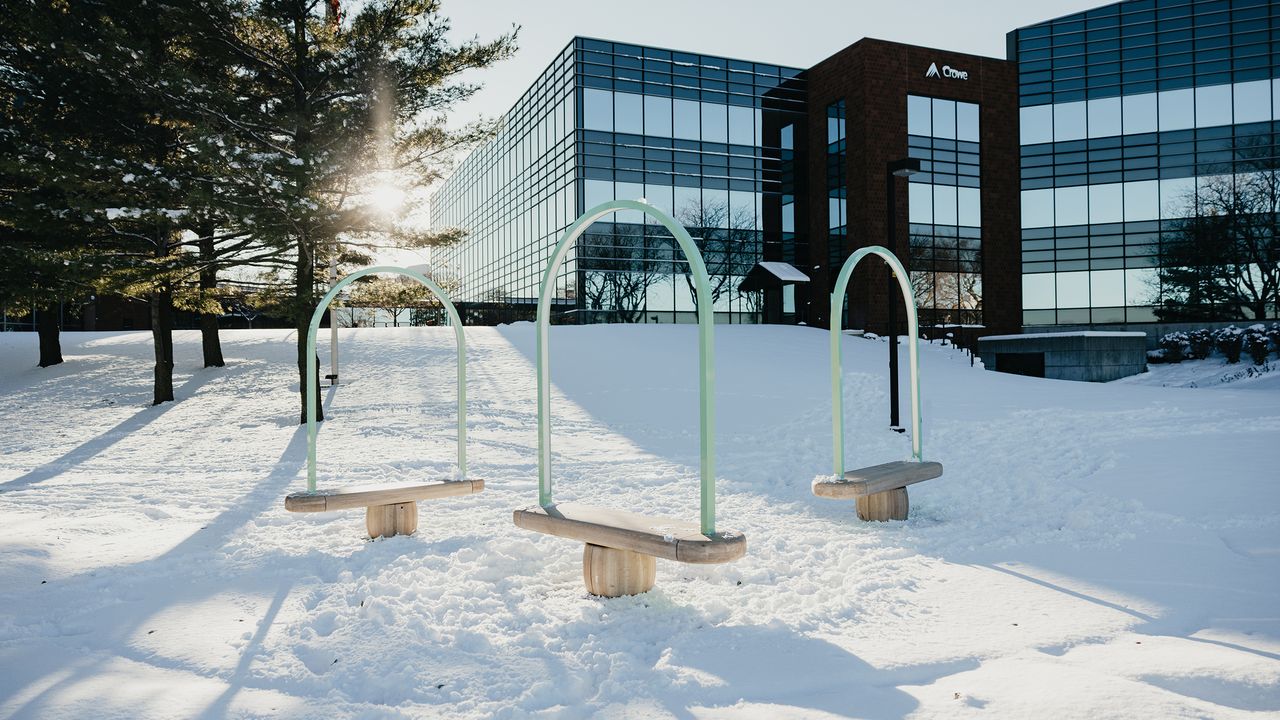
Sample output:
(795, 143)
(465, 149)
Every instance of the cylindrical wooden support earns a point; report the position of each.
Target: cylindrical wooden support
(610, 572)
(887, 505)
(391, 520)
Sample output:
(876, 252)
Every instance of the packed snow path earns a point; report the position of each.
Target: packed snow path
(1092, 551)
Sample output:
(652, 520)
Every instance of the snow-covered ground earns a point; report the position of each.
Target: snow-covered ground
(1091, 551)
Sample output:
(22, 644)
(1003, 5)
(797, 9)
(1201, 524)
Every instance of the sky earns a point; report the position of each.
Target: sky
(796, 33)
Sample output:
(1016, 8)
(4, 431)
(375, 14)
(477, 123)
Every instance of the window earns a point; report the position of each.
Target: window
(920, 203)
(969, 207)
(1037, 291)
(597, 109)
(686, 122)
(741, 125)
(967, 122)
(1069, 121)
(1252, 101)
(944, 204)
(1071, 205)
(1104, 117)
(919, 116)
(1139, 113)
(1037, 208)
(1106, 288)
(657, 116)
(1073, 289)
(1036, 124)
(1141, 200)
(628, 113)
(1106, 203)
(1213, 105)
(1177, 109)
(715, 123)
(944, 119)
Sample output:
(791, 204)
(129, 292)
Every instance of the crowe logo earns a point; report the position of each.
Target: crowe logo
(947, 71)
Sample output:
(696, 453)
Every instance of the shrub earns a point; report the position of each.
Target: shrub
(1274, 334)
(1174, 346)
(1155, 357)
(1201, 343)
(1255, 343)
(1230, 341)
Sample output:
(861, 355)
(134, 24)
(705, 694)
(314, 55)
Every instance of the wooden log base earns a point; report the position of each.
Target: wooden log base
(391, 520)
(610, 572)
(887, 505)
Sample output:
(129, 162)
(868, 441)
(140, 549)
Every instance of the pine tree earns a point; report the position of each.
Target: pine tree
(325, 111)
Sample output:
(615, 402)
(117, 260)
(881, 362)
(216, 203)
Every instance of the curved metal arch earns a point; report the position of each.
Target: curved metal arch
(311, 362)
(706, 363)
(837, 368)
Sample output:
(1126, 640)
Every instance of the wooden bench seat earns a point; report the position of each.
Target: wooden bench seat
(877, 479)
(657, 537)
(370, 495)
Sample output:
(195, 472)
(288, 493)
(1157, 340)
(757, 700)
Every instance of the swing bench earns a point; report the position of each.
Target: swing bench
(879, 491)
(621, 547)
(390, 509)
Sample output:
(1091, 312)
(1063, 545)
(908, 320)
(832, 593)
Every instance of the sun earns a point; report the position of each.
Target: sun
(386, 199)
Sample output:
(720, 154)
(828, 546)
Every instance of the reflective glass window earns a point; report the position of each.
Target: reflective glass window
(788, 137)
(1071, 205)
(1106, 203)
(920, 203)
(715, 125)
(1069, 121)
(788, 217)
(628, 113)
(1038, 291)
(596, 192)
(687, 201)
(944, 118)
(1177, 109)
(1073, 289)
(741, 125)
(1252, 101)
(1104, 117)
(1275, 99)
(685, 119)
(1141, 200)
(919, 115)
(944, 204)
(1139, 113)
(1177, 197)
(1037, 208)
(659, 196)
(1141, 286)
(597, 109)
(1106, 288)
(1213, 105)
(1036, 124)
(657, 116)
(967, 122)
(969, 207)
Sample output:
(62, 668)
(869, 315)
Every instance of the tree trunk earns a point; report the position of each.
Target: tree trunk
(304, 290)
(209, 339)
(50, 344)
(162, 338)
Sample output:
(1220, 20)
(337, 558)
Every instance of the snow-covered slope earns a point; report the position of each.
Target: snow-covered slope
(1091, 551)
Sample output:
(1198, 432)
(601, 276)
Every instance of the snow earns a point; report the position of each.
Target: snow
(1092, 551)
(784, 271)
(1212, 372)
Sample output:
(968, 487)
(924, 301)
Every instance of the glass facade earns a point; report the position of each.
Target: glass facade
(613, 121)
(1134, 117)
(945, 210)
(837, 190)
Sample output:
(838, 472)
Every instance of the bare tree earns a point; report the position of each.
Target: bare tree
(618, 272)
(1224, 259)
(728, 241)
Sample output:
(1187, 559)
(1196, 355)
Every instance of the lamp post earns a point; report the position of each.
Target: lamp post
(895, 169)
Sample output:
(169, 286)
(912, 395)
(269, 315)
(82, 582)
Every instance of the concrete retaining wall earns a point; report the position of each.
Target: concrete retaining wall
(1083, 356)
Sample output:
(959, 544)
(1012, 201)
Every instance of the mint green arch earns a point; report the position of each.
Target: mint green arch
(837, 367)
(311, 362)
(706, 349)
